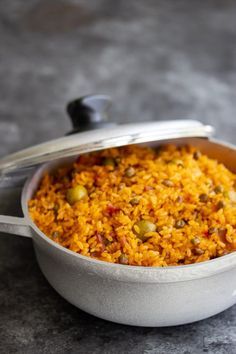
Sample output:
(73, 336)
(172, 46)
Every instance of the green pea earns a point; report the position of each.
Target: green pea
(109, 161)
(123, 259)
(195, 241)
(134, 201)
(130, 172)
(143, 227)
(180, 224)
(203, 198)
(218, 189)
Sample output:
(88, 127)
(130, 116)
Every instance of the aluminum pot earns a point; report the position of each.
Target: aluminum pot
(140, 296)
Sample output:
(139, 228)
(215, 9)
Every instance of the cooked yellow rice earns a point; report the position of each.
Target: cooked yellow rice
(189, 197)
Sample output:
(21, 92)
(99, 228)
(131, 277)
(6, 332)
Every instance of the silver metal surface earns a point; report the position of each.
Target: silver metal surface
(103, 138)
(15, 225)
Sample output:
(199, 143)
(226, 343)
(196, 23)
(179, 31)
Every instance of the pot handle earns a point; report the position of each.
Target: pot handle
(15, 225)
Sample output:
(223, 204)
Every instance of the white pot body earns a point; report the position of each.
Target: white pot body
(90, 288)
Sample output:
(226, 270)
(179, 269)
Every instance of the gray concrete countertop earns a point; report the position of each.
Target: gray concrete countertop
(158, 60)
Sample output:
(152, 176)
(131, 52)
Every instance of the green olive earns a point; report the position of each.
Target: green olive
(144, 226)
(75, 194)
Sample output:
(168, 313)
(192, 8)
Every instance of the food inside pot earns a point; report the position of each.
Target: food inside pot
(140, 206)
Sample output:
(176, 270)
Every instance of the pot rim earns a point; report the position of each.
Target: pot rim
(205, 268)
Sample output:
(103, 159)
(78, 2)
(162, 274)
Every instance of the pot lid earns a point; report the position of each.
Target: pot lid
(90, 112)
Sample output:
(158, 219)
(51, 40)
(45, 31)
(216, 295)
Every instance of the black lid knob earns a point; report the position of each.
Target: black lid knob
(89, 112)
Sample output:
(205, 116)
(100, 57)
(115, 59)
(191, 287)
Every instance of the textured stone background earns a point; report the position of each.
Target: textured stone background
(158, 60)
